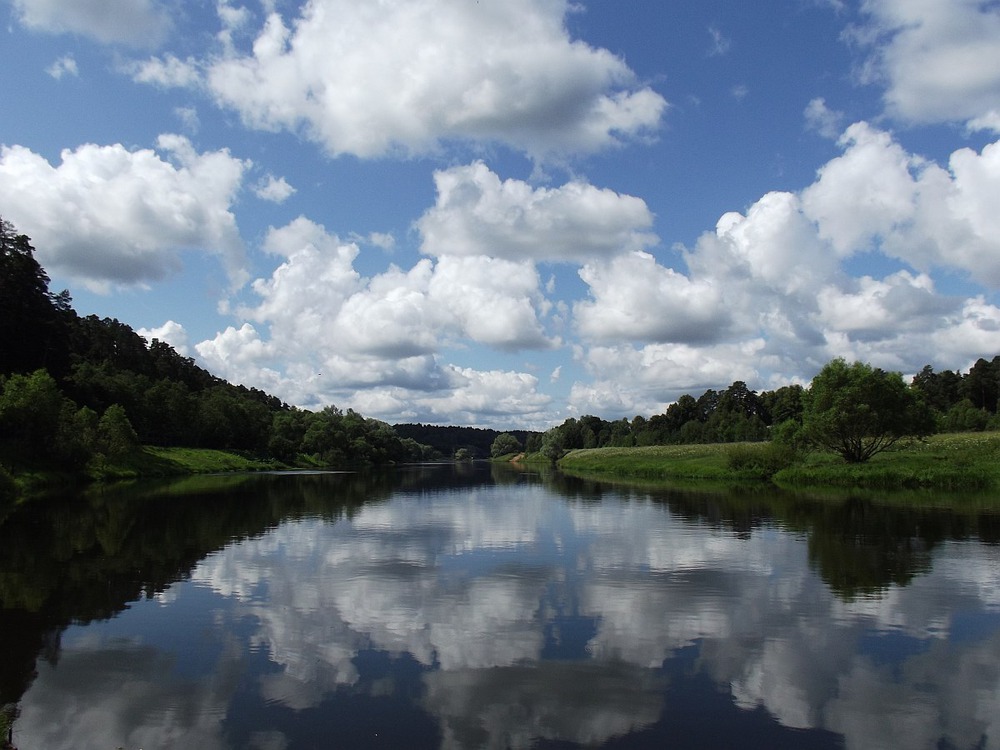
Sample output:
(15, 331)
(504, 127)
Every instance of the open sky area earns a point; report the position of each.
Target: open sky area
(505, 213)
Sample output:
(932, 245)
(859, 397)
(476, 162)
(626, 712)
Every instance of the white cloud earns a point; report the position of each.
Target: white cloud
(478, 214)
(771, 290)
(171, 333)
(493, 301)
(822, 119)
(409, 75)
(988, 121)
(64, 66)
(630, 380)
(864, 193)
(167, 71)
(876, 195)
(767, 297)
(939, 61)
(383, 240)
(274, 189)
(138, 23)
(633, 297)
(107, 215)
(321, 333)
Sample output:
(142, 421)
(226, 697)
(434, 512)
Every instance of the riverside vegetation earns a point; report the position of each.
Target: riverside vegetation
(83, 397)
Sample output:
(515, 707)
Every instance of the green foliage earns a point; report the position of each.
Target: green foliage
(858, 411)
(964, 417)
(31, 412)
(31, 334)
(553, 444)
(763, 459)
(115, 436)
(504, 444)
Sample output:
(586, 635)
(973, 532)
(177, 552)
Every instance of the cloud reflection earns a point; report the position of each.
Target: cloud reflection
(534, 617)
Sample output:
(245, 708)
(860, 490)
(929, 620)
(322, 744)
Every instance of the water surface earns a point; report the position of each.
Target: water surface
(467, 607)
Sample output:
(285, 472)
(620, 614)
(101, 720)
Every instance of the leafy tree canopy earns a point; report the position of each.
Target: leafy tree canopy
(857, 410)
(505, 443)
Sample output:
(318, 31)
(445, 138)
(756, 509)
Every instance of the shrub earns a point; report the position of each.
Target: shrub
(765, 459)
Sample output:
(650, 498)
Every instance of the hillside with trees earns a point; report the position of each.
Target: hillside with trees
(74, 388)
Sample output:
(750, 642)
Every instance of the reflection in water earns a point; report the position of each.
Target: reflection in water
(512, 611)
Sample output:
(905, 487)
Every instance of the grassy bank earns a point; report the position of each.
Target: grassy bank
(153, 461)
(952, 461)
(148, 461)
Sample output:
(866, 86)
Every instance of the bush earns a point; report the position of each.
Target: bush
(765, 459)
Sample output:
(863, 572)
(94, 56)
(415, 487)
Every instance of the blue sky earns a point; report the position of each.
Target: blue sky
(509, 213)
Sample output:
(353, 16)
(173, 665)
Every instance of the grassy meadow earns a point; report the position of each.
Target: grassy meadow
(949, 461)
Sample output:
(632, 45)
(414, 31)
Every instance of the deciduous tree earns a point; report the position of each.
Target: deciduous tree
(858, 411)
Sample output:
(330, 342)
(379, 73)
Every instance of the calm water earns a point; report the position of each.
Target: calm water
(477, 607)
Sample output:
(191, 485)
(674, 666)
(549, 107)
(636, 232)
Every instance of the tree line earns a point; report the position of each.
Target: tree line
(852, 409)
(75, 387)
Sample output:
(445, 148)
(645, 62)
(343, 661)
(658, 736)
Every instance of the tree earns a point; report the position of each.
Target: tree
(857, 410)
(115, 434)
(553, 446)
(503, 444)
(32, 333)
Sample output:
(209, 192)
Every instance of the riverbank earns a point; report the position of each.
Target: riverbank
(967, 461)
(146, 462)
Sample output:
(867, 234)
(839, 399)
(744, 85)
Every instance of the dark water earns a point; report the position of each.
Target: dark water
(477, 607)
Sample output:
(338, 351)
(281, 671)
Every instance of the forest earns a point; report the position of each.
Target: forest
(74, 388)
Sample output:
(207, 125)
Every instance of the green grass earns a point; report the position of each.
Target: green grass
(966, 461)
(653, 462)
(153, 461)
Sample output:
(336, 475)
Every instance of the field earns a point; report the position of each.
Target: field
(949, 461)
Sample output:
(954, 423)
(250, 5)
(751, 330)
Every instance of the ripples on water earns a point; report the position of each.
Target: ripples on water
(528, 614)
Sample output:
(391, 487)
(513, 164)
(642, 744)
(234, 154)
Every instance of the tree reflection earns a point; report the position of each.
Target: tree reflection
(84, 557)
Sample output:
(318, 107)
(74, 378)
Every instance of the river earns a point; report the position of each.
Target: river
(478, 606)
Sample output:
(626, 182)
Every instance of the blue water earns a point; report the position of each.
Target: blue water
(533, 614)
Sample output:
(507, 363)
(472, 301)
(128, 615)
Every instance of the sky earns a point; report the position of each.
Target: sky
(506, 213)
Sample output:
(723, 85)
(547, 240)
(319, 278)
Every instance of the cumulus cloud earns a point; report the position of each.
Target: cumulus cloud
(107, 215)
(633, 297)
(167, 71)
(878, 195)
(274, 189)
(137, 23)
(939, 62)
(380, 344)
(408, 76)
(768, 296)
(320, 332)
(171, 333)
(864, 193)
(477, 213)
